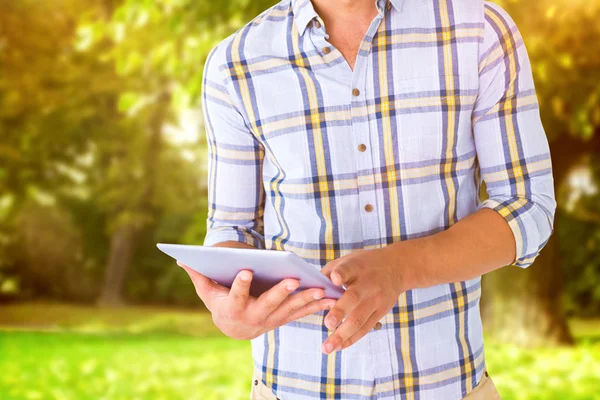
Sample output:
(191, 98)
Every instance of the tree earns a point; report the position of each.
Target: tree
(82, 135)
(47, 128)
(525, 307)
(158, 48)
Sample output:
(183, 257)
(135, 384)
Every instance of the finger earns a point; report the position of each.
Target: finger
(344, 306)
(270, 300)
(355, 327)
(240, 290)
(343, 274)
(206, 288)
(370, 324)
(293, 303)
(326, 270)
(310, 308)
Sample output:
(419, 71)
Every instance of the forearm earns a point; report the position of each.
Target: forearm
(477, 244)
(234, 245)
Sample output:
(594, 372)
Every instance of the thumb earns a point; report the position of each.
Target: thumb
(206, 288)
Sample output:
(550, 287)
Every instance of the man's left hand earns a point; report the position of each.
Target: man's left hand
(373, 283)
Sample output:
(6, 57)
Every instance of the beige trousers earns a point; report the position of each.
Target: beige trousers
(485, 390)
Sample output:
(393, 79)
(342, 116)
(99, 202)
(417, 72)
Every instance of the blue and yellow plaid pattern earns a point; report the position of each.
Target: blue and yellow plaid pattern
(441, 98)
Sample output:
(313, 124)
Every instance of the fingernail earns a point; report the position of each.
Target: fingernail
(328, 347)
(338, 279)
(245, 276)
(292, 286)
(318, 296)
(332, 321)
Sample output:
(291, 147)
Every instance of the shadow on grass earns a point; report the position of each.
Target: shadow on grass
(56, 317)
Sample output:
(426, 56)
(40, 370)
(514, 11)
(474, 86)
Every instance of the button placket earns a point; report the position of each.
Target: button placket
(370, 225)
(362, 135)
(319, 37)
(364, 166)
(364, 163)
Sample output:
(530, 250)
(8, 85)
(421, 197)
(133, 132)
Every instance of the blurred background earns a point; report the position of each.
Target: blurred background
(103, 154)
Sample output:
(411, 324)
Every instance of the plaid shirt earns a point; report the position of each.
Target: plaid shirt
(310, 156)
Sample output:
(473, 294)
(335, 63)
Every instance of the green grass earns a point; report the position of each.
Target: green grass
(122, 366)
(52, 352)
(86, 319)
(544, 374)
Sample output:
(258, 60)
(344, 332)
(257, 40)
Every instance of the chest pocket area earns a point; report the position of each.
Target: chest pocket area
(282, 122)
(432, 122)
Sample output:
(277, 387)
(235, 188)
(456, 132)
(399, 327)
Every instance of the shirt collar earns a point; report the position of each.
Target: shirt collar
(304, 11)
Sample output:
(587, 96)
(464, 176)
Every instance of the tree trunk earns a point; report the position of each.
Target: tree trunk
(124, 240)
(122, 247)
(524, 306)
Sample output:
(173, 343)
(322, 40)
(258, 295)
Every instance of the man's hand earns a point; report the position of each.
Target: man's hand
(475, 245)
(241, 316)
(373, 282)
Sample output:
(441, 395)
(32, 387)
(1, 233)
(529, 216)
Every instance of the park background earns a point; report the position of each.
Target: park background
(103, 154)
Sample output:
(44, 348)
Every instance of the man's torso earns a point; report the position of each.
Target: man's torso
(359, 159)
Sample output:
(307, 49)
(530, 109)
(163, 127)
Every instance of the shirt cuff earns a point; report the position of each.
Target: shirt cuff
(236, 234)
(512, 212)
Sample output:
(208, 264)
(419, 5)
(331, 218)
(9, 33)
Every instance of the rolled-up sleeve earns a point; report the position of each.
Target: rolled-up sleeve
(512, 148)
(235, 191)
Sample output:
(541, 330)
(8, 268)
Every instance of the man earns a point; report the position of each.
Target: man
(356, 133)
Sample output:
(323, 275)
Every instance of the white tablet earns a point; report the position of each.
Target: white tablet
(269, 267)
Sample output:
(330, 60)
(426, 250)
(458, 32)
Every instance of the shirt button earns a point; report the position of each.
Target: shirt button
(355, 92)
(255, 382)
(326, 50)
(368, 208)
(362, 147)
(377, 326)
(317, 24)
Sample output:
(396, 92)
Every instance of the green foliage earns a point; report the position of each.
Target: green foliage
(580, 238)
(562, 40)
(87, 93)
(51, 262)
(86, 87)
(49, 108)
(580, 245)
(582, 270)
(158, 43)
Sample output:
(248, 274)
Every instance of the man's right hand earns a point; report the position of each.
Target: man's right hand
(243, 317)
